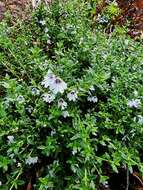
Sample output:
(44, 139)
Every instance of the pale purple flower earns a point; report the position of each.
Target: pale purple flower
(72, 96)
(93, 99)
(20, 99)
(65, 114)
(58, 86)
(134, 103)
(62, 104)
(35, 91)
(10, 139)
(31, 160)
(55, 84)
(48, 97)
(48, 79)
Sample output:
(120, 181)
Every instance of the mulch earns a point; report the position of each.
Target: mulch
(16, 7)
(131, 11)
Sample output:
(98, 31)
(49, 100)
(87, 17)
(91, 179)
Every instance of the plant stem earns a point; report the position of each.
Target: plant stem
(20, 172)
(127, 179)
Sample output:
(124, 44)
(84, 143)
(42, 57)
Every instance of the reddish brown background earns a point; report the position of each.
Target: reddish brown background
(17, 7)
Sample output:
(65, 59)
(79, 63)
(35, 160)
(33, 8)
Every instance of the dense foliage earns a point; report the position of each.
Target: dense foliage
(71, 101)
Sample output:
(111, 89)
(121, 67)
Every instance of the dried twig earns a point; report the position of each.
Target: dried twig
(138, 178)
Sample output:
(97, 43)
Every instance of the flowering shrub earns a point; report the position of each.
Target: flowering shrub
(71, 101)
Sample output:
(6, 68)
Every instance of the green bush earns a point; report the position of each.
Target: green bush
(71, 101)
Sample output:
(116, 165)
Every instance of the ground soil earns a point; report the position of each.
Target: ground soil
(18, 8)
(132, 10)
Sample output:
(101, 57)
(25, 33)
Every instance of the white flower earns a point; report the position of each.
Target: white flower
(53, 132)
(35, 3)
(48, 97)
(58, 86)
(10, 139)
(0, 183)
(74, 151)
(18, 164)
(62, 104)
(92, 88)
(72, 96)
(65, 114)
(46, 30)
(140, 119)
(42, 22)
(106, 185)
(20, 99)
(135, 103)
(93, 99)
(35, 91)
(31, 160)
(48, 42)
(29, 109)
(48, 79)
